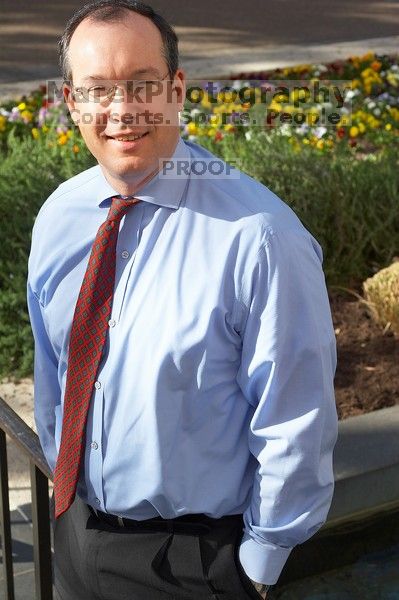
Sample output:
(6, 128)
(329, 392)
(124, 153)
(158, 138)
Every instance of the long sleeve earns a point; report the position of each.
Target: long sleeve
(47, 394)
(287, 369)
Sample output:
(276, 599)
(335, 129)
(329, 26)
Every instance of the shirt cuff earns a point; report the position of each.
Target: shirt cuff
(263, 562)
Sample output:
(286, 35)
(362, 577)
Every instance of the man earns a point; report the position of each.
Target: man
(184, 350)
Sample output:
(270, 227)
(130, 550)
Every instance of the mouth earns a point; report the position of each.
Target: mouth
(128, 141)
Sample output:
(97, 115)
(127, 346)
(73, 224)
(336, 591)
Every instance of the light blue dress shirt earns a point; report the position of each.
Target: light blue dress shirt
(215, 392)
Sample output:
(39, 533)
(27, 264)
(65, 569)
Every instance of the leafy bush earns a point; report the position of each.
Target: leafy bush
(349, 204)
(30, 171)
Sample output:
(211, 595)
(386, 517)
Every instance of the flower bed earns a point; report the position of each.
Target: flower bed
(372, 122)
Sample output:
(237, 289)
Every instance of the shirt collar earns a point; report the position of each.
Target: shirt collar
(165, 188)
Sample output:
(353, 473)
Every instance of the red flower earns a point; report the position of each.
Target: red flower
(218, 136)
(341, 132)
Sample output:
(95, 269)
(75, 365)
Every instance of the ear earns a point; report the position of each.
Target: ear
(179, 86)
(68, 94)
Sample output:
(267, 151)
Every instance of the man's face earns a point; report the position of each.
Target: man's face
(101, 54)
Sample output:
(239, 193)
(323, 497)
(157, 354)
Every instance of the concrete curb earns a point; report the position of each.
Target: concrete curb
(366, 467)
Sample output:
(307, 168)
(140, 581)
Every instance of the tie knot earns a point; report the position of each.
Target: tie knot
(119, 206)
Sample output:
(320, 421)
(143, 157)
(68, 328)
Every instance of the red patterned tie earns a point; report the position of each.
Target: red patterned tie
(88, 334)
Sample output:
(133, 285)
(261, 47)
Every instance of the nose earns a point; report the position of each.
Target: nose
(124, 104)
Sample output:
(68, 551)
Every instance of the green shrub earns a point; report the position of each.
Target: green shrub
(30, 171)
(349, 204)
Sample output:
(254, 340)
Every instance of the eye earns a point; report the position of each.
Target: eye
(98, 91)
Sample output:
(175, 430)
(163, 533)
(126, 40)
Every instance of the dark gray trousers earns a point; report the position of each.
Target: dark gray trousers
(96, 561)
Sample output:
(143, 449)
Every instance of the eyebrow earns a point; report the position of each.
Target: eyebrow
(148, 70)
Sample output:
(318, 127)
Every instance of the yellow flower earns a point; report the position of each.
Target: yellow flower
(361, 126)
(229, 127)
(214, 120)
(192, 128)
(305, 141)
(295, 144)
(275, 106)
(69, 133)
(299, 94)
(289, 109)
(374, 123)
(394, 112)
(388, 126)
(280, 97)
(211, 132)
(312, 116)
(205, 101)
(27, 115)
(62, 139)
(320, 144)
(21, 106)
(355, 83)
(75, 148)
(344, 120)
(353, 131)
(3, 122)
(35, 133)
(368, 56)
(393, 79)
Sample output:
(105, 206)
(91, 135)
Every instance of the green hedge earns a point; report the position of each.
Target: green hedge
(350, 206)
(30, 171)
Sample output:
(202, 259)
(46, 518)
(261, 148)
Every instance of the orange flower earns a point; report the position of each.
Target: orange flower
(376, 65)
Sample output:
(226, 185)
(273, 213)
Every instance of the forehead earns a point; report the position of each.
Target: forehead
(115, 48)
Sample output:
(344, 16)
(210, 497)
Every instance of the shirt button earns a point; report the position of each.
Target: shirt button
(98, 501)
(94, 445)
(112, 322)
(125, 254)
(97, 385)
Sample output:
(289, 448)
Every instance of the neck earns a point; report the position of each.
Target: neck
(129, 186)
(131, 183)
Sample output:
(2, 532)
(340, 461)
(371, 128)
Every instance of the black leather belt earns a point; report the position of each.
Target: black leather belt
(191, 523)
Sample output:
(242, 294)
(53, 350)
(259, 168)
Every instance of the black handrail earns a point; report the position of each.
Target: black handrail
(12, 425)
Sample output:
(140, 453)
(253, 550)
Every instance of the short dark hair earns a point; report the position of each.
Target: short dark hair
(115, 10)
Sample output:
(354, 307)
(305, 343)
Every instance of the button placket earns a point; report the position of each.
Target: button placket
(94, 441)
(126, 250)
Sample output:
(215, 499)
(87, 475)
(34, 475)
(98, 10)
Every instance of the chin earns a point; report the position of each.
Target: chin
(130, 169)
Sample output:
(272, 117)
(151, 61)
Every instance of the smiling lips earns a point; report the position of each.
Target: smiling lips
(130, 137)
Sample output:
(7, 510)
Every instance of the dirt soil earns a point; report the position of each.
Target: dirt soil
(367, 376)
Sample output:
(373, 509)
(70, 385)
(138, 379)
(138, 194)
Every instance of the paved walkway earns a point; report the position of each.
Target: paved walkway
(216, 38)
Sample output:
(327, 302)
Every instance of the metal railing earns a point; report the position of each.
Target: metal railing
(12, 425)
